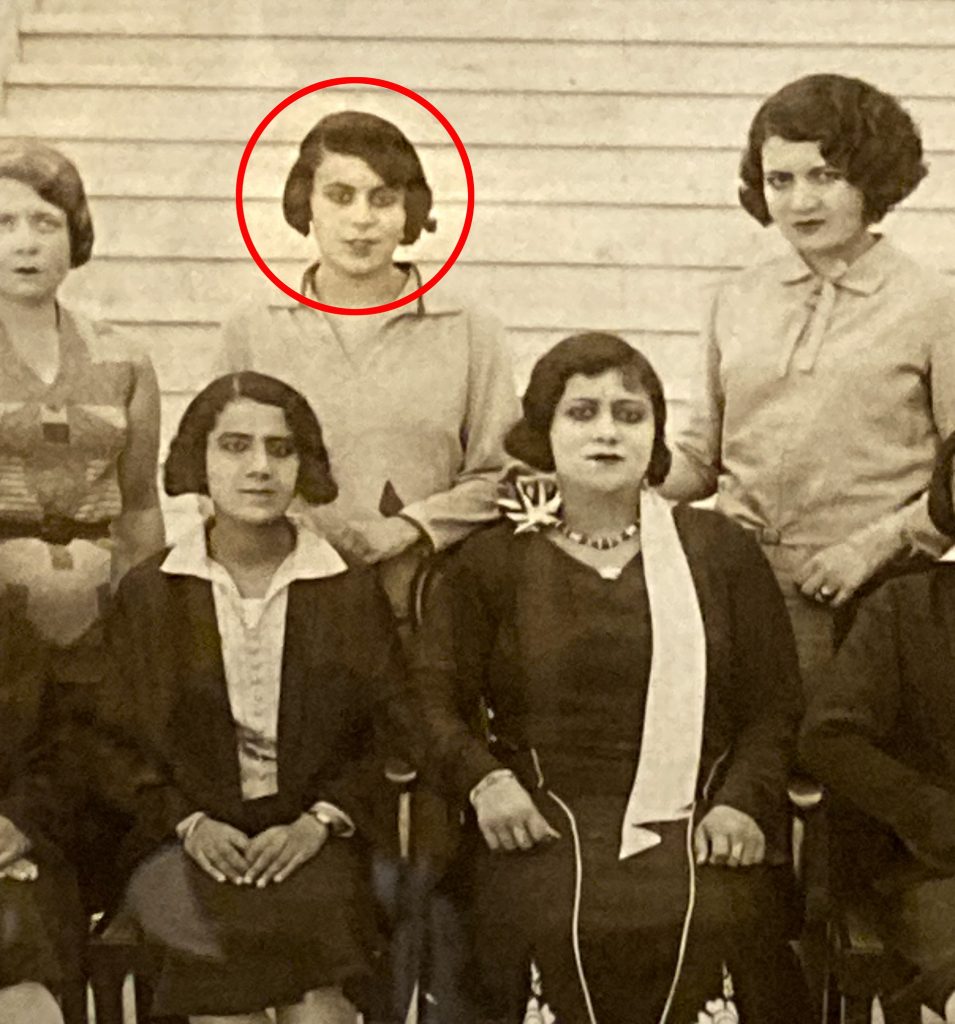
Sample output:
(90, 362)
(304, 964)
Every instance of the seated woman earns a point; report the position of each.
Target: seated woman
(613, 685)
(42, 926)
(880, 734)
(253, 670)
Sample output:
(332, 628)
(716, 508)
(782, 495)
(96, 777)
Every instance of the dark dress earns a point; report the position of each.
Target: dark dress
(41, 923)
(561, 657)
(170, 749)
(881, 735)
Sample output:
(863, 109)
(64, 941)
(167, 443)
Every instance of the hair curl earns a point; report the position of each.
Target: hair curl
(56, 180)
(860, 130)
(382, 146)
(590, 353)
(185, 468)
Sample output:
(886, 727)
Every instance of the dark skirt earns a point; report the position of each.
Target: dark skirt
(42, 928)
(630, 930)
(225, 949)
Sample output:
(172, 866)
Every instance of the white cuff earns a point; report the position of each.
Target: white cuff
(488, 781)
(188, 825)
(338, 822)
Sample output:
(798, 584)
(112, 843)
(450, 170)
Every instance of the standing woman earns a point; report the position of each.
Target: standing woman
(79, 421)
(253, 670)
(829, 373)
(415, 401)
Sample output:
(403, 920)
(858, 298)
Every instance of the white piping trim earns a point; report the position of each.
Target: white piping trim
(685, 934)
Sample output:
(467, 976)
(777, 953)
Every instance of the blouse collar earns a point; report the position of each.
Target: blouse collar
(311, 558)
(866, 275)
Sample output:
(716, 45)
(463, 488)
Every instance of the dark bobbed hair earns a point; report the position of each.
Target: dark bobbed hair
(56, 180)
(940, 490)
(591, 354)
(860, 130)
(185, 468)
(382, 146)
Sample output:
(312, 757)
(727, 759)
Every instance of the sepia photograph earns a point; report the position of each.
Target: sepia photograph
(477, 512)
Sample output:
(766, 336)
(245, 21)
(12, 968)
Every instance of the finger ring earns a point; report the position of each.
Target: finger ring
(824, 593)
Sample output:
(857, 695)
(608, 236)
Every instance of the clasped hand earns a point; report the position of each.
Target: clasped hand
(509, 818)
(227, 854)
(728, 838)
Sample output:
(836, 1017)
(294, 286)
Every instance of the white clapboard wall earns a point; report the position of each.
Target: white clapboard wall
(604, 138)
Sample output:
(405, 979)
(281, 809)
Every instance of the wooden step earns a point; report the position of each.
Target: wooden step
(114, 103)
(539, 66)
(890, 22)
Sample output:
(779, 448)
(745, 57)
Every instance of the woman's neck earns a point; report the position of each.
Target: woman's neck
(33, 332)
(599, 514)
(251, 553)
(338, 289)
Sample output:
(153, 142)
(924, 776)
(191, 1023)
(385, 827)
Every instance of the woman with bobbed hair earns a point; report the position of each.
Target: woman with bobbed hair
(79, 428)
(611, 684)
(828, 373)
(252, 670)
(415, 401)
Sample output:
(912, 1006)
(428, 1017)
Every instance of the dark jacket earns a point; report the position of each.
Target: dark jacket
(34, 790)
(167, 735)
(881, 730)
(753, 702)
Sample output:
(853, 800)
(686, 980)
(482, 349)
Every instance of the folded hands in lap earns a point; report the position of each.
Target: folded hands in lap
(228, 855)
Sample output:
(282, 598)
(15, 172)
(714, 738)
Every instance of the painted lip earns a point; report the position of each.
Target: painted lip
(809, 226)
(257, 492)
(27, 271)
(605, 457)
(361, 245)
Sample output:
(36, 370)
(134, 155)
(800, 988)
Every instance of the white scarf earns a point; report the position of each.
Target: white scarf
(664, 787)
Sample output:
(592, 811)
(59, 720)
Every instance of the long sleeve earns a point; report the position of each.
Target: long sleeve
(450, 658)
(696, 444)
(492, 409)
(845, 735)
(128, 769)
(766, 688)
(385, 729)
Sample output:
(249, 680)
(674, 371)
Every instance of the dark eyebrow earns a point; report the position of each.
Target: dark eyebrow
(234, 433)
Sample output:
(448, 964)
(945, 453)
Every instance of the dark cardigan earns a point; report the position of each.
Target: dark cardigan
(34, 793)
(166, 730)
(753, 702)
(881, 730)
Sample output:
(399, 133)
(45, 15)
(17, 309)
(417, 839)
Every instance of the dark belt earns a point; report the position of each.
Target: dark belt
(53, 529)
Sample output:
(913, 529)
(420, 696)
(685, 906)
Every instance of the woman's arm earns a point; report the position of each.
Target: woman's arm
(766, 694)
(852, 716)
(138, 531)
(696, 445)
(492, 409)
(449, 660)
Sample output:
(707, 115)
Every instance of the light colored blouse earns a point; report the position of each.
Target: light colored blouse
(252, 632)
(820, 403)
(413, 403)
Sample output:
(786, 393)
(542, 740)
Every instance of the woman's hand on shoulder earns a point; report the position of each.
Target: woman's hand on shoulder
(278, 851)
(509, 818)
(13, 843)
(219, 849)
(729, 838)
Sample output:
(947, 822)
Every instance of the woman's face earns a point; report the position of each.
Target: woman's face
(358, 220)
(34, 245)
(251, 463)
(817, 211)
(602, 433)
